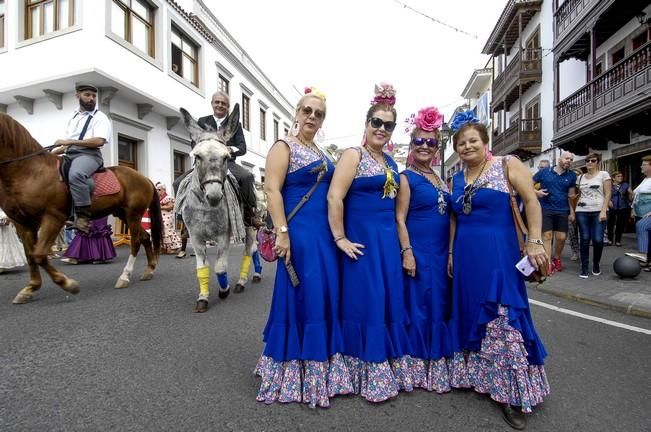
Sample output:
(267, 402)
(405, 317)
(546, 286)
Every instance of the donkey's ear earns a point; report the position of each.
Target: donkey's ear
(232, 123)
(191, 125)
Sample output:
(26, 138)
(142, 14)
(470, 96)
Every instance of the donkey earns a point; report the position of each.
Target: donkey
(202, 203)
(38, 202)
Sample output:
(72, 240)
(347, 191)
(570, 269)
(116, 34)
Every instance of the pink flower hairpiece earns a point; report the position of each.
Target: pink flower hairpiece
(428, 119)
(314, 91)
(384, 93)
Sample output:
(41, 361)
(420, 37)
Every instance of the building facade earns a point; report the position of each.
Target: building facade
(148, 58)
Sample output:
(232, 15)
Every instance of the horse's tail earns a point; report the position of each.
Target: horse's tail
(156, 222)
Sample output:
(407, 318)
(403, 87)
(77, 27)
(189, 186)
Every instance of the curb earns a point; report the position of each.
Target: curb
(621, 307)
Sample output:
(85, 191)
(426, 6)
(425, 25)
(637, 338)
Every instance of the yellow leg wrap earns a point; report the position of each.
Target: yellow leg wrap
(244, 267)
(203, 275)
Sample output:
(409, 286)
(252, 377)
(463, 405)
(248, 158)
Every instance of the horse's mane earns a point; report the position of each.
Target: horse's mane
(14, 137)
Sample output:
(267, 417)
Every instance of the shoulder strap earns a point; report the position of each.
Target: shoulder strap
(520, 227)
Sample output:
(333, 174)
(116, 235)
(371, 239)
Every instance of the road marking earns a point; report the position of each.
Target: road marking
(590, 317)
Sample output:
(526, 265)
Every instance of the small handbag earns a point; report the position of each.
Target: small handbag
(521, 230)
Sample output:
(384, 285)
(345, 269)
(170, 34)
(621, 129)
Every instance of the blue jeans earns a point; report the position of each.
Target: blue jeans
(590, 229)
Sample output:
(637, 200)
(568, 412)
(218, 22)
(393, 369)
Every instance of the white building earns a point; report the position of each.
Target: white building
(148, 57)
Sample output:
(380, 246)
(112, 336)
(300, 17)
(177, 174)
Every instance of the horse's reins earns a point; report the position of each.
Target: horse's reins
(43, 150)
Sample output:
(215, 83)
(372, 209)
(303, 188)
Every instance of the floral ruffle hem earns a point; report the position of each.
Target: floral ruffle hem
(500, 368)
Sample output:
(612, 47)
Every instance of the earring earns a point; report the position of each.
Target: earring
(294, 130)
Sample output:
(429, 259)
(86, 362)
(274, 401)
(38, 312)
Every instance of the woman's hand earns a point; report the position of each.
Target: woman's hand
(537, 256)
(603, 216)
(450, 265)
(350, 249)
(282, 247)
(409, 263)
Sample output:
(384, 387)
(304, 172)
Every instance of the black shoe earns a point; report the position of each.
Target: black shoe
(513, 417)
(596, 269)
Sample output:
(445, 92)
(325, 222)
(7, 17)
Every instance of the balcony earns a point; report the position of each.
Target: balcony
(569, 14)
(523, 137)
(614, 95)
(524, 70)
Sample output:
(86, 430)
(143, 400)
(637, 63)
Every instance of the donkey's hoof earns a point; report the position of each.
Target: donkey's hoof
(121, 283)
(147, 276)
(201, 306)
(22, 298)
(224, 293)
(71, 286)
(257, 278)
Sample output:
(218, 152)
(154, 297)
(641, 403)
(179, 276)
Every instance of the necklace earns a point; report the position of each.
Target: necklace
(390, 189)
(438, 185)
(471, 189)
(313, 147)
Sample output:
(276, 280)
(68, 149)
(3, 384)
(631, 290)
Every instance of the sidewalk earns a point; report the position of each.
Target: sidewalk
(630, 296)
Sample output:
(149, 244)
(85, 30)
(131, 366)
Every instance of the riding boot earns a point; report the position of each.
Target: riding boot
(82, 219)
(250, 218)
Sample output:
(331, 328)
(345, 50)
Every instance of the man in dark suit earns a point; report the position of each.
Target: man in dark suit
(220, 107)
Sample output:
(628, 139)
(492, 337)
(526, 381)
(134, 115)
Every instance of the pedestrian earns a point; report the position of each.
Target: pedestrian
(302, 360)
(619, 208)
(544, 163)
(591, 213)
(556, 185)
(642, 213)
(361, 211)
(573, 228)
(423, 218)
(87, 131)
(171, 240)
(12, 252)
(496, 348)
(95, 247)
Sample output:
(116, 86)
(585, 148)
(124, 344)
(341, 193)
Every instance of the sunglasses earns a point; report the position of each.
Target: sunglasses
(431, 142)
(591, 160)
(308, 110)
(377, 123)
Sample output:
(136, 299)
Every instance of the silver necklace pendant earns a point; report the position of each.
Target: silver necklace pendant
(442, 204)
(467, 206)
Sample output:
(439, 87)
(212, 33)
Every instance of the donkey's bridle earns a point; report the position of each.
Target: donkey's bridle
(36, 153)
(204, 183)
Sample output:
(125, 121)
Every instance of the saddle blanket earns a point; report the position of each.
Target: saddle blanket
(106, 183)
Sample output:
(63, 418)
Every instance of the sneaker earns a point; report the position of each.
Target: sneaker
(583, 275)
(638, 256)
(618, 244)
(596, 269)
(574, 257)
(69, 260)
(557, 264)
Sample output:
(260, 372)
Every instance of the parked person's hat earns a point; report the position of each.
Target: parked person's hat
(85, 86)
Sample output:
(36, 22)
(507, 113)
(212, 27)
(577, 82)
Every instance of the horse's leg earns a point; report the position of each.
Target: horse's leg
(145, 240)
(134, 229)
(245, 265)
(27, 237)
(221, 266)
(203, 272)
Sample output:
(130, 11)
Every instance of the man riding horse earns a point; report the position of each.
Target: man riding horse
(87, 131)
(215, 122)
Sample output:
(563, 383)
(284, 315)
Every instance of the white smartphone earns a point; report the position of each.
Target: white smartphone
(524, 266)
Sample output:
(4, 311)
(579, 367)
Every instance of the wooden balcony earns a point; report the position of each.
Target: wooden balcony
(569, 14)
(612, 96)
(523, 137)
(523, 70)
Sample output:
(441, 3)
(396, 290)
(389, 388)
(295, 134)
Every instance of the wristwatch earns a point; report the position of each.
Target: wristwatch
(282, 229)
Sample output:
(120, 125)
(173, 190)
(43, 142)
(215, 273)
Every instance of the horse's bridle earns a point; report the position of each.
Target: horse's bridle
(202, 184)
(36, 153)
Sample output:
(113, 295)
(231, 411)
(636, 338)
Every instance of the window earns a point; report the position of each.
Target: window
(245, 112)
(223, 84)
(275, 130)
(638, 40)
(179, 164)
(263, 125)
(133, 21)
(2, 23)
(533, 46)
(618, 55)
(286, 131)
(185, 57)
(46, 16)
(127, 152)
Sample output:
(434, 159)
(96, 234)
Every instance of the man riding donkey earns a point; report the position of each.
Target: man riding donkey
(87, 131)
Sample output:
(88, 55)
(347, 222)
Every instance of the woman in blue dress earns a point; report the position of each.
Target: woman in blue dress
(422, 215)
(302, 359)
(361, 210)
(497, 350)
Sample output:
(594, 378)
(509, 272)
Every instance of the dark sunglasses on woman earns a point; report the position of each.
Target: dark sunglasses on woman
(376, 123)
(431, 142)
(307, 111)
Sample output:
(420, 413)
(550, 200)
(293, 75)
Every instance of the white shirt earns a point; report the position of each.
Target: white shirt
(592, 192)
(99, 127)
(219, 122)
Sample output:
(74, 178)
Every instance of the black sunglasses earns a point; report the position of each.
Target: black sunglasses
(308, 110)
(376, 123)
(592, 160)
(431, 142)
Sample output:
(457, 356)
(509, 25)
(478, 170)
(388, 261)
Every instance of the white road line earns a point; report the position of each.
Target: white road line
(590, 317)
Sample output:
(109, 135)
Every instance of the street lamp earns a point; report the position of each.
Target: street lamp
(445, 137)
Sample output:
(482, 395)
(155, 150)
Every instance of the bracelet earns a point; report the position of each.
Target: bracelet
(336, 239)
(535, 241)
(403, 250)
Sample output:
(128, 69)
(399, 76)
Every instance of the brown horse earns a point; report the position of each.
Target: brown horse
(35, 199)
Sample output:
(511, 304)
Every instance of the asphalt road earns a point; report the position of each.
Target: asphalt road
(138, 359)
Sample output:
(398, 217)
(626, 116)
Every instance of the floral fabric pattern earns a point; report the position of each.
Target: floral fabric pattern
(300, 156)
(369, 167)
(494, 177)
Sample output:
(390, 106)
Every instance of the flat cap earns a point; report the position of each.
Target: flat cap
(85, 86)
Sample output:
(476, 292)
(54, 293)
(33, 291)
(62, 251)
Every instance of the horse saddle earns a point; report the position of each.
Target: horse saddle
(102, 182)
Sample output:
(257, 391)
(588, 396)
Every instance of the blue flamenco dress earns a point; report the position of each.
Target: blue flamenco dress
(427, 294)
(496, 348)
(373, 315)
(302, 359)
